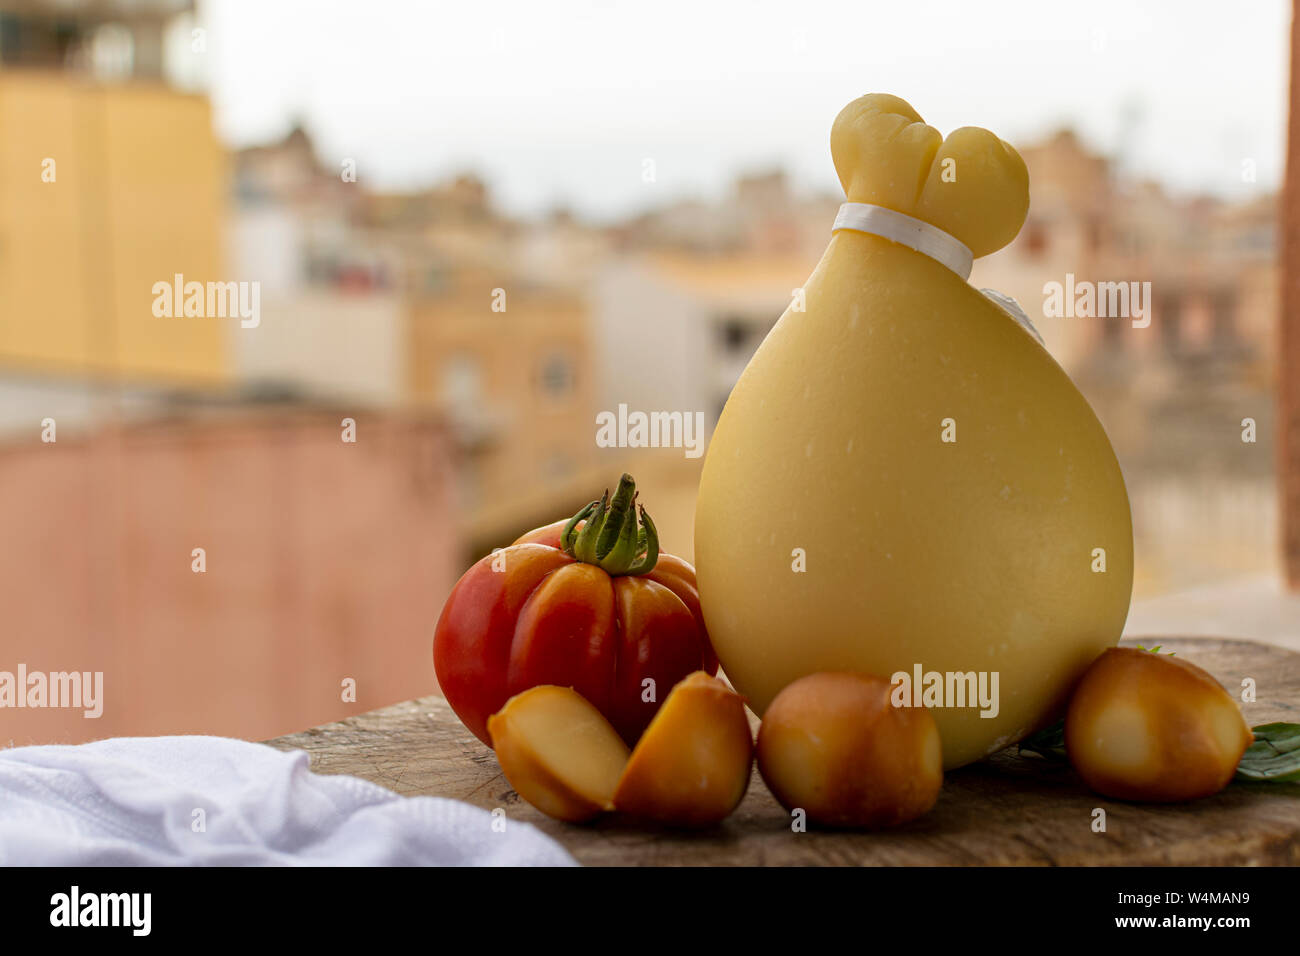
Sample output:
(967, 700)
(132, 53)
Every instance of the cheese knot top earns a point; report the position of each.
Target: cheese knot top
(971, 185)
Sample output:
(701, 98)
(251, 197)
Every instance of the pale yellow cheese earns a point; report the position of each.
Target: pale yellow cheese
(973, 555)
(558, 752)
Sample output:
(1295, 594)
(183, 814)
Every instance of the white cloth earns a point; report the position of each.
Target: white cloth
(133, 800)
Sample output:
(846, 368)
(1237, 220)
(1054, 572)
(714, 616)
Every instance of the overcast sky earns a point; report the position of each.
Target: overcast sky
(559, 103)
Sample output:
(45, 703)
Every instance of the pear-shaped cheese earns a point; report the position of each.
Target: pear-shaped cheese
(903, 476)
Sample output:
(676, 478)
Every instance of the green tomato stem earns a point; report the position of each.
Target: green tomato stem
(612, 538)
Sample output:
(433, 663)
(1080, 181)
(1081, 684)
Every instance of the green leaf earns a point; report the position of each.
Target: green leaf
(1274, 756)
(1155, 650)
(1048, 743)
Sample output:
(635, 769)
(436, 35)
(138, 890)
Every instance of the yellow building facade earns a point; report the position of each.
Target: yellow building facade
(105, 190)
(517, 385)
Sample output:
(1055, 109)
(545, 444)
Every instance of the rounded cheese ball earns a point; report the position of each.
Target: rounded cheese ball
(835, 747)
(1148, 726)
(837, 529)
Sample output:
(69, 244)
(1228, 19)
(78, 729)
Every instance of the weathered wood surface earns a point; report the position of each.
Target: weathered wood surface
(1006, 810)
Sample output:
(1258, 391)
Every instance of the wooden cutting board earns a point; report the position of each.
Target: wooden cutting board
(1005, 810)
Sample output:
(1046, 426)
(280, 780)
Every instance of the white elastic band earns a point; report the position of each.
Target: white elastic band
(907, 231)
(930, 240)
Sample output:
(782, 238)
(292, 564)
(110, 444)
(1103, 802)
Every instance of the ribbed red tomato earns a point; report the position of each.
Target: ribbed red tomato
(589, 603)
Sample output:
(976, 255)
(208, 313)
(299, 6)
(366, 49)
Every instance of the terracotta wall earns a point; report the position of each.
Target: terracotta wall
(325, 561)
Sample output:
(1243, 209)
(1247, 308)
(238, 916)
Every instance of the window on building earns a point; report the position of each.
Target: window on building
(1035, 240)
(461, 383)
(733, 333)
(1224, 307)
(1169, 318)
(556, 376)
(1112, 333)
(434, 280)
(558, 466)
(1093, 235)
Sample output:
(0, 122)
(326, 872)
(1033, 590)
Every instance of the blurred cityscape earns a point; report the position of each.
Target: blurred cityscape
(471, 352)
